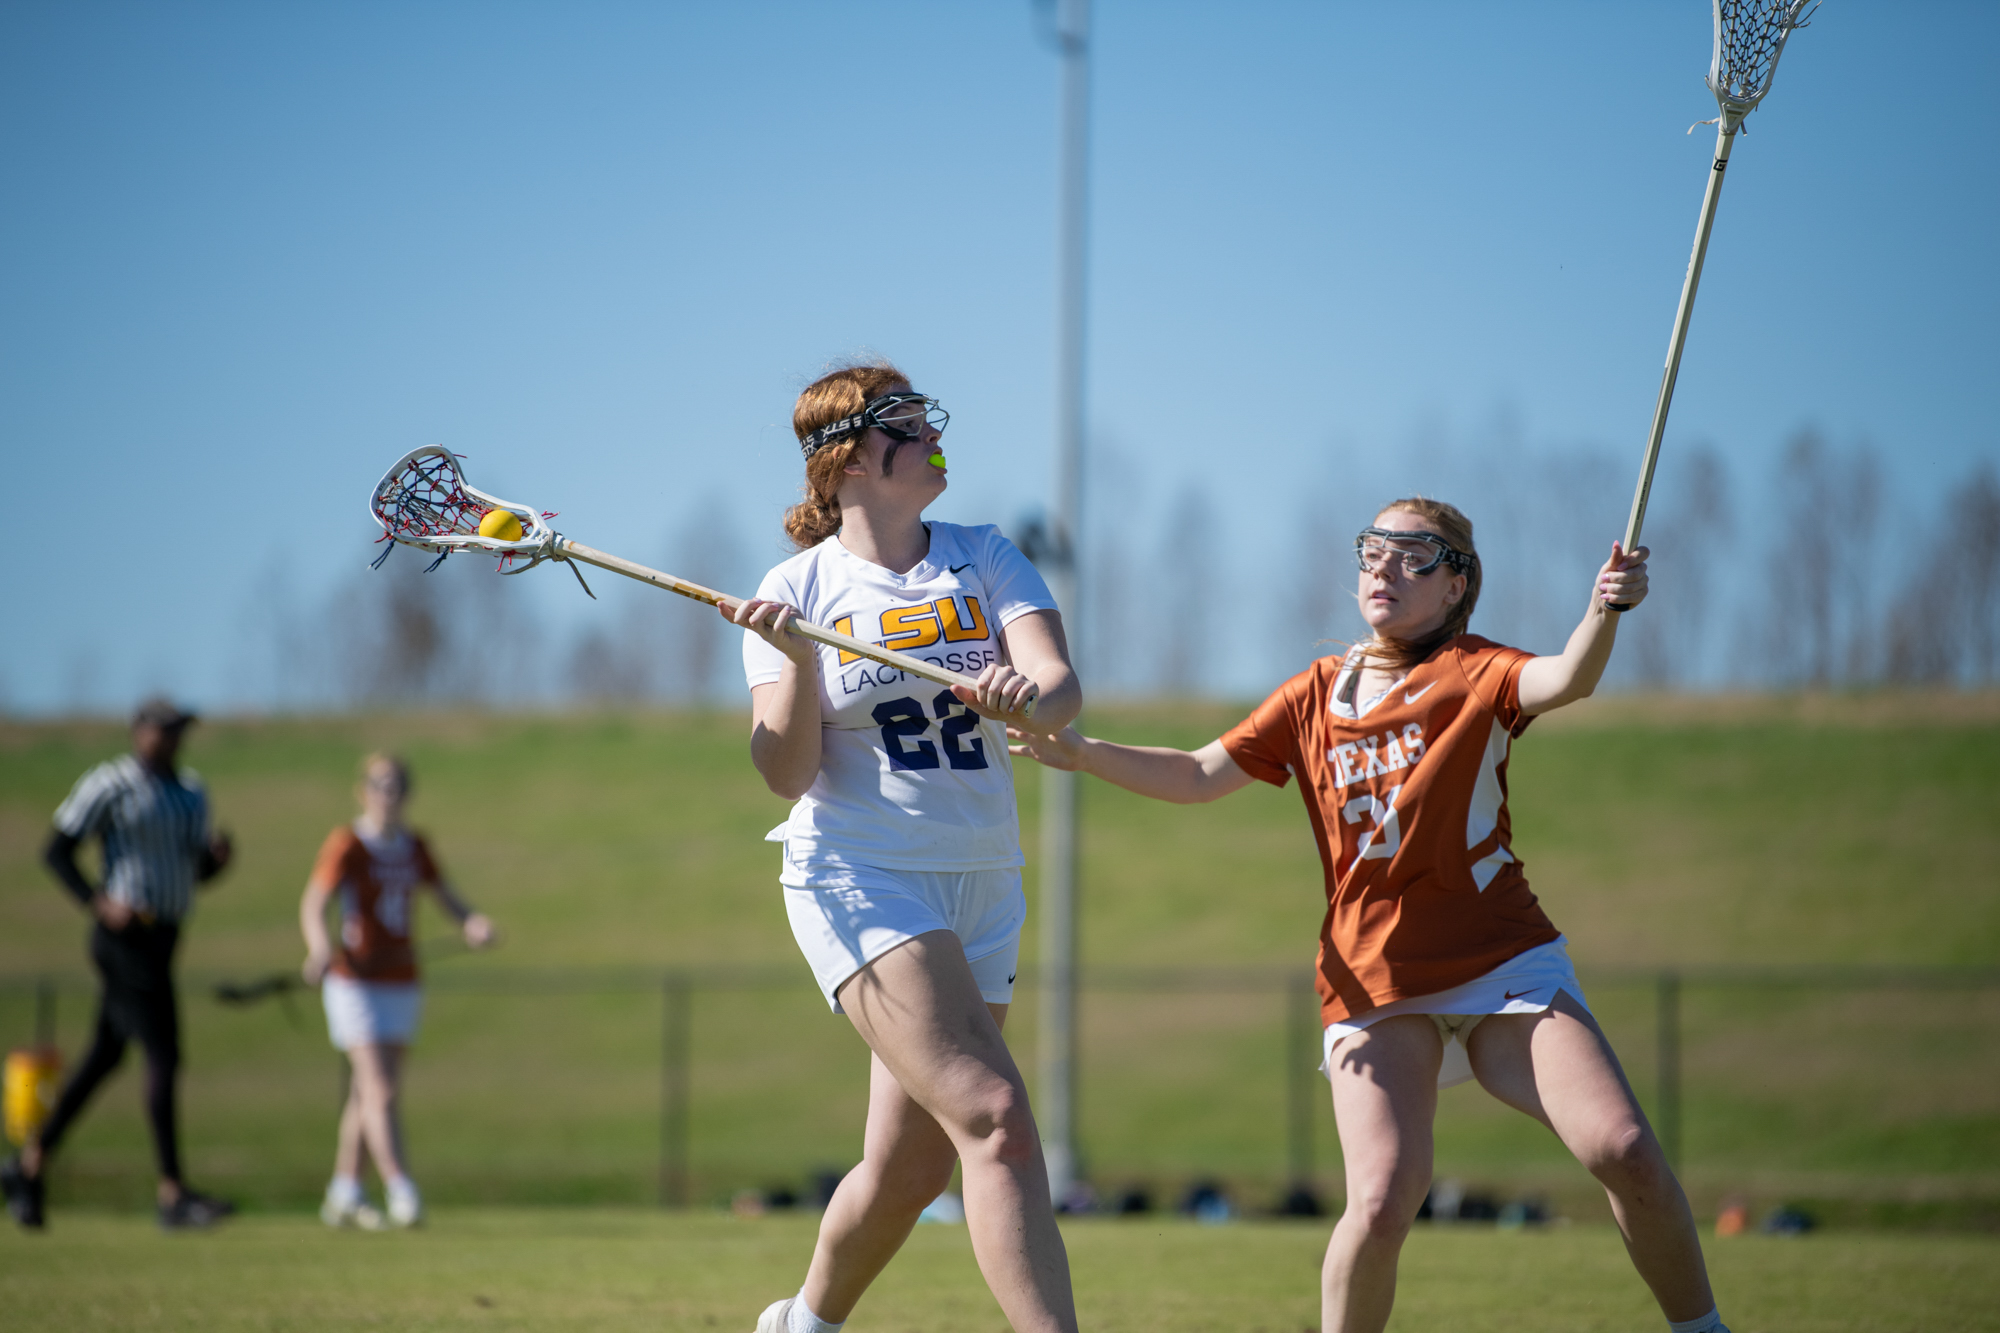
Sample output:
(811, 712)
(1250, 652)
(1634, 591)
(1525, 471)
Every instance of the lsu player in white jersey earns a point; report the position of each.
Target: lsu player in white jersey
(902, 860)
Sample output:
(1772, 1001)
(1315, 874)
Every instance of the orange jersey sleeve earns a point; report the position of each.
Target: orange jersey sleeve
(1408, 804)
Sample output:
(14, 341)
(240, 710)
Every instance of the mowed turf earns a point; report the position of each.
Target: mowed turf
(613, 846)
(606, 1270)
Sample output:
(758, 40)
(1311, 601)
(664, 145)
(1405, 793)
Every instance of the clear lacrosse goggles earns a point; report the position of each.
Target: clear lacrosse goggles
(1420, 552)
(900, 416)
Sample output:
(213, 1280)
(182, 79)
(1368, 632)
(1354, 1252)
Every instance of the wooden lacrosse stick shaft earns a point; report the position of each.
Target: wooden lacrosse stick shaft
(915, 666)
(1724, 139)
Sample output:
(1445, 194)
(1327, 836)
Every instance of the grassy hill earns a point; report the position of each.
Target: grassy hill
(1685, 832)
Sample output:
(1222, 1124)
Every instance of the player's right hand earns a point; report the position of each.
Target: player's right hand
(770, 622)
(114, 914)
(1062, 750)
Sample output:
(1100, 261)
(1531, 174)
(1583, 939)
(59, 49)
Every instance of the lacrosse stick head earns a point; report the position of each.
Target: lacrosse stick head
(1749, 37)
(425, 501)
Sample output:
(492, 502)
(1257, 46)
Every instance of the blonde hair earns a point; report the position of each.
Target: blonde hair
(394, 761)
(1450, 523)
(841, 392)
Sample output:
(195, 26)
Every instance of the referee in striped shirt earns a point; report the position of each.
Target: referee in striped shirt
(152, 819)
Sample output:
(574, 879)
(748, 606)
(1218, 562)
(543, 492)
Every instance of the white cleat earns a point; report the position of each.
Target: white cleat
(776, 1317)
(406, 1209)
(360, 1216)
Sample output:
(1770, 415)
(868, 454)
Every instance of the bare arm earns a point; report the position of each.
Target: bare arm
(1039, 652)
(476, 927)
(784, 713)
(1181, 776)
(1547, 683)
(312, 925)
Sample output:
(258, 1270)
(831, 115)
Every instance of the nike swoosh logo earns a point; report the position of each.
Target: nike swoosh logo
(1516, 994)
(1409, 698)
(953, 569)
(1011, 976)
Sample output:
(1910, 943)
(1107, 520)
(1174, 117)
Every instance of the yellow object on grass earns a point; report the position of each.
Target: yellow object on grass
(30, 1091)
(501, 525)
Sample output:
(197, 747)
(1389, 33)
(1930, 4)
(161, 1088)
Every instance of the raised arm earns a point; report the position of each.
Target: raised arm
(1548, 683)
(1181, 776)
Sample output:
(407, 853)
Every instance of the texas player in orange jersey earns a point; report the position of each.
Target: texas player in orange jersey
(374, 868)
(1436, 963)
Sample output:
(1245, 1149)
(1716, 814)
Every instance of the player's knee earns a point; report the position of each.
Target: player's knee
(1384, 1210)
(1002, 1123)
(1626, 1154)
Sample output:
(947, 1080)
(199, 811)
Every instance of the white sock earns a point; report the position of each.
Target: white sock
(402, 1187)
(343, 1191)
(1708, 1323)
(801, 1319)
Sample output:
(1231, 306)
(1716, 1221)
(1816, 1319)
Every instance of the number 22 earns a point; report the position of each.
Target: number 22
(903, 719)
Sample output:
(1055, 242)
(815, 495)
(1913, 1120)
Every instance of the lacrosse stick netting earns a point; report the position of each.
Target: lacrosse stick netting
(425, 501)
(1750, 35)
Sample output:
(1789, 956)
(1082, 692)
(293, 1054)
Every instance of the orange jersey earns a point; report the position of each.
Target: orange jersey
(1409, 805)
(377, 888)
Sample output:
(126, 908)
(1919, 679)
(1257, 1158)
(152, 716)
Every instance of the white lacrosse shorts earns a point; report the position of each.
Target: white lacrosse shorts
(845, 917)
(1527, 983)
(370, 1013)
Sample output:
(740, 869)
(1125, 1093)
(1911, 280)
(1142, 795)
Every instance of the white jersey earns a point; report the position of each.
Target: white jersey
(909, 777)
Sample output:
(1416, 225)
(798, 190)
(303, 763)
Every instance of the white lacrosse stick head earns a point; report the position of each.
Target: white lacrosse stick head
(425, 501)
(1749, 37)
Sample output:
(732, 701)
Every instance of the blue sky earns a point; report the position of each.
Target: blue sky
(251, 253)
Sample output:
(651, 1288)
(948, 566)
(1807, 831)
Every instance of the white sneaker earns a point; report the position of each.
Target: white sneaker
(360, 1215)
(775, 1318)
(406, 1209)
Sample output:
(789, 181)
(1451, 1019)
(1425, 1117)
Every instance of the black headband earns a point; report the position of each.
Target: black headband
(870, 415)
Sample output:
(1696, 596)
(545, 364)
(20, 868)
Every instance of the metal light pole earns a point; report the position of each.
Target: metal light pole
(1056, 1102)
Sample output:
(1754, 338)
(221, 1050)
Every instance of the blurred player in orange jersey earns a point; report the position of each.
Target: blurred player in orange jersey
(1436, 962)
(368, 982)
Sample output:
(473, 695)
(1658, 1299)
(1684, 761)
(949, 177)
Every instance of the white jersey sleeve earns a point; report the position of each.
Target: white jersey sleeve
(909, 777)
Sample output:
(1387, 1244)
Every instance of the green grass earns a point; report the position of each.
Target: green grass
(610, 1269)
(1849, 831)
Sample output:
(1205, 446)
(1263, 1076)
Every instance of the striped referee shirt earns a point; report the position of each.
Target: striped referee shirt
(154, 830)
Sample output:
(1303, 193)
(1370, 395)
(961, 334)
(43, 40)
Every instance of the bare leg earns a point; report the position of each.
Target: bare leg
(347, 1145)
(378, 1076)
(1557, 1067)
(907, 1160)
(1384, 1100)
(959, 1093)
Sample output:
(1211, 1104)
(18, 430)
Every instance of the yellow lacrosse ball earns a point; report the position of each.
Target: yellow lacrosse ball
(500, 525)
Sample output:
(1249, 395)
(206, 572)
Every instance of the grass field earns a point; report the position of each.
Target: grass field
(1749, 832)
(613, 1269)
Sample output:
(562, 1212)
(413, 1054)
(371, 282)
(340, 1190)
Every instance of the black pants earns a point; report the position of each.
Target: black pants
(137, 1004)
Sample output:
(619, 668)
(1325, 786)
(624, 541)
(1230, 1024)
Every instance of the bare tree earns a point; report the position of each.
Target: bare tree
(1818, 626)
(1949, 627)
(1669, 644)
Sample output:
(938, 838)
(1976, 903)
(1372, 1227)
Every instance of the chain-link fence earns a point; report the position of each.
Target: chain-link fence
(1870, 1091)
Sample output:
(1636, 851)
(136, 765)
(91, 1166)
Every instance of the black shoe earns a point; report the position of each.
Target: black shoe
(24, 1194)
(193, 1212)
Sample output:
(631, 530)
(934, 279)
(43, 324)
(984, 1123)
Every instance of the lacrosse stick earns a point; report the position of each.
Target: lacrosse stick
(1749, 37)
(425, 501)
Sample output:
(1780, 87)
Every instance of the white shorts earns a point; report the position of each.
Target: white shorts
(370, 1013)
(1527, 983)
(845, 917)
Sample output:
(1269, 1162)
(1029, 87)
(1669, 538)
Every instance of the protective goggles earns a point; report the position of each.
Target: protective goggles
(1419, 552)
(900, 416)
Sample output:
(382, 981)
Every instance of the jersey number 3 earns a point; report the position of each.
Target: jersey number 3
(903, 719)
(1379, 842)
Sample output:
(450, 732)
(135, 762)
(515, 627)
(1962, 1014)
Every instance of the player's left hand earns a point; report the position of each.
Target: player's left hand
(999, 692)
(478, 931)
(1622, 581)
(221, 848)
